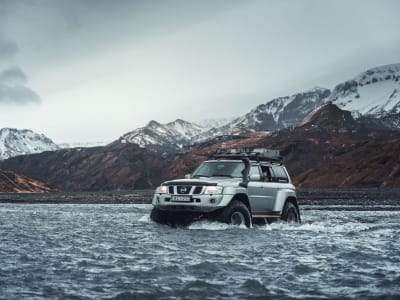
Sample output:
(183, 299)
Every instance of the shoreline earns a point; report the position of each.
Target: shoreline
(341, 197)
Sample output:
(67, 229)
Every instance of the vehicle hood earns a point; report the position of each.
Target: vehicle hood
(205, 181)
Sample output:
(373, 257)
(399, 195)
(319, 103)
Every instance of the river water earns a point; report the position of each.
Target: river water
(94, 251)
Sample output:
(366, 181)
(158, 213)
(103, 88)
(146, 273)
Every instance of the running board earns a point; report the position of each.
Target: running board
(256, 216)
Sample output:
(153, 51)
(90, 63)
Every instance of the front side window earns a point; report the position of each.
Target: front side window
(219, 169)
(254, 170)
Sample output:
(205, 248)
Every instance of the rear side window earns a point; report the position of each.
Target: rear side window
(280, 174)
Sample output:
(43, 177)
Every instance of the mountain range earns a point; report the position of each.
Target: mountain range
(328, 139)
(317, 131)
(374, 93)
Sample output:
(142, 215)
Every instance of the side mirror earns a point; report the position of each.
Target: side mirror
(254, 177)
(188, 176)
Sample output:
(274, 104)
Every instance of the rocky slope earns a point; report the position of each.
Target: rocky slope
(15, 142)
(11, 182)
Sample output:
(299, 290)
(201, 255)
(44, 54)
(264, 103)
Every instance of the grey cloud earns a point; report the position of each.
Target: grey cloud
(8, 48)
(13, 89)
(13, 76)
(18, 95)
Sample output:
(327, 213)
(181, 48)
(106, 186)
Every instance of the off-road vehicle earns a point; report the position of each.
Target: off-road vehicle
(237, 186)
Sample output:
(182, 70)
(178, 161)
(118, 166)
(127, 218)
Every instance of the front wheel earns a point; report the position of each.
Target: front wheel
(236, 213)
(290, 213)
(173, 219)
(159, 216)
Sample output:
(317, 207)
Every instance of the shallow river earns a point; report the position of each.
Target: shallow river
(94, 251)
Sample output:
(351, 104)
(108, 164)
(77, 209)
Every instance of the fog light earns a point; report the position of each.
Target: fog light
(212, 200)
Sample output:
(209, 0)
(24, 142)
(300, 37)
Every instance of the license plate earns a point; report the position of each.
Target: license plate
(180, 198)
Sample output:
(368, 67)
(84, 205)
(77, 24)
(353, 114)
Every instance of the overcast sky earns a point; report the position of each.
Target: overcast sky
(80, 70)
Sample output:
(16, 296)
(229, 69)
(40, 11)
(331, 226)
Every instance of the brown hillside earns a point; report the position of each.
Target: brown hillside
(14, 183)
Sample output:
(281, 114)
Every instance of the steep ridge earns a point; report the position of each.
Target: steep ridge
(15, 142)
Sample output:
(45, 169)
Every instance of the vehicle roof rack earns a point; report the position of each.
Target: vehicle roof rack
(257, 154)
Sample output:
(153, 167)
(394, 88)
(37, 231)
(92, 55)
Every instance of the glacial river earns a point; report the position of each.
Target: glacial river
(95, 251)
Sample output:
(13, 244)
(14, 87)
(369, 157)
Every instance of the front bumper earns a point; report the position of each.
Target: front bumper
(198, 203)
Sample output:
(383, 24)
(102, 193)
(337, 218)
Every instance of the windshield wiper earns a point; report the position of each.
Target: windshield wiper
(222, 175)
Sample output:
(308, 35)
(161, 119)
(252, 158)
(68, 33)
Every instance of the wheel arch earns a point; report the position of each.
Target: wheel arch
(243, 198)
(283, 196)
(293, 200)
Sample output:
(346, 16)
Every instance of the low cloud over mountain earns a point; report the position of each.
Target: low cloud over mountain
(14, 89)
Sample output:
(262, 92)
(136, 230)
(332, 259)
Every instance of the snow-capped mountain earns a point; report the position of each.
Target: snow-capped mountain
(373, 92)
(15, 142)
(178, 132)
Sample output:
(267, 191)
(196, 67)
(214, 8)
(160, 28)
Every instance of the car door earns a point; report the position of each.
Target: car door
(257, 192)
(270, 188)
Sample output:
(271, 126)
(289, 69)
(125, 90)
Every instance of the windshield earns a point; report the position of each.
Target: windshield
(219, 169)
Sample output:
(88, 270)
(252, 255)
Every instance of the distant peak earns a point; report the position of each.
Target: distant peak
(153, 123)
(179, 121)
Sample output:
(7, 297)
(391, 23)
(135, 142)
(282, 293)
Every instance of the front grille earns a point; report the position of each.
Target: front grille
(185, 189)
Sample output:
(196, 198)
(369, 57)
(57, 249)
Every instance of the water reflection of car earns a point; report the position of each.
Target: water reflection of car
(237, 186)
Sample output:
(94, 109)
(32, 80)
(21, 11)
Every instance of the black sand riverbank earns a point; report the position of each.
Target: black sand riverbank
(337, 197)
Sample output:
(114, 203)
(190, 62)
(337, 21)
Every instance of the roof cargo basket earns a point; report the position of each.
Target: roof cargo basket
(258, 154)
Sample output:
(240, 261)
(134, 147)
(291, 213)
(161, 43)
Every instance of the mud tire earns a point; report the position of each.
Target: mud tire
(174, 219)
(290, 213)
(236, 213)
(159, 216)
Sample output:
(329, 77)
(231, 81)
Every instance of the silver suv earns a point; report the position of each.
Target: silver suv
(237, 186)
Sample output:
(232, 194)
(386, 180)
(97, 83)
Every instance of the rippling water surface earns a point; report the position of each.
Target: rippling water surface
(94, 251)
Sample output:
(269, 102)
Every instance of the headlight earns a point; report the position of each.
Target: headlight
(213, 189)
(164, 189)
